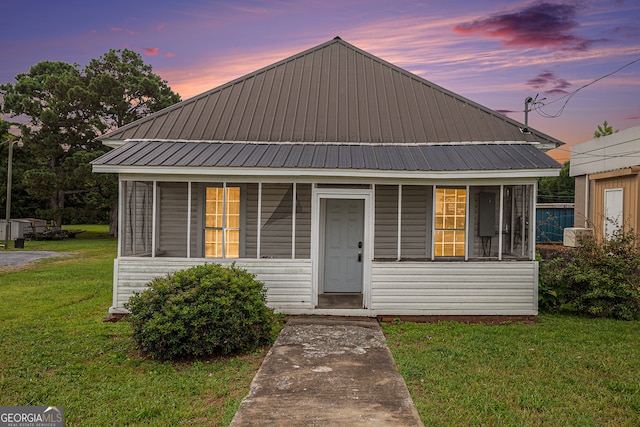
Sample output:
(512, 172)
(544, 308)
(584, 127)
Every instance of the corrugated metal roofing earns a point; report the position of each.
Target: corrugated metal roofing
(393, 157)
(332, 93)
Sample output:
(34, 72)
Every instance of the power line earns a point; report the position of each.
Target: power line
(537, 106)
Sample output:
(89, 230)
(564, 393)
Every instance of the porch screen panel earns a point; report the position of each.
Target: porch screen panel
(172, 219)
(249, 234)
(303, 221)
(222, 222)
(276, 233)
(484, 221)
(386, 222)
(416, 222)
(450, 219)
(196, 219)
(516, 228)
(137, 218)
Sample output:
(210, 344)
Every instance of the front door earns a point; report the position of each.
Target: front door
(343, 245)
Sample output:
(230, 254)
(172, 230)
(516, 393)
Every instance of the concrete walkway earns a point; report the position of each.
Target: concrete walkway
(328, 372)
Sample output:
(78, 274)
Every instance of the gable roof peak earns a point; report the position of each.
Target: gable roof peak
(333, 92)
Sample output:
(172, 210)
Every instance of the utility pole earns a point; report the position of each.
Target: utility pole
(7, 224)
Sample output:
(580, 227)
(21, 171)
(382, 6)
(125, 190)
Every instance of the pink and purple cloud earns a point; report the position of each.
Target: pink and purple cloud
(550, 83)
(538, 25)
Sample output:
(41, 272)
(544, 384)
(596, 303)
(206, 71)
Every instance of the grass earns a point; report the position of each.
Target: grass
(561, 371)
(55, 349)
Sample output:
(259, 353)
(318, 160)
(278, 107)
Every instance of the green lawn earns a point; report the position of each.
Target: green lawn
(55, 349)
(561, 371)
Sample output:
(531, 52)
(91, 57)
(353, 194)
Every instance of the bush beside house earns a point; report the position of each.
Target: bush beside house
(202, 311)
(599, 278)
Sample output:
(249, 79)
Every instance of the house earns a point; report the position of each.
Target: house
(607, 182)
(348, 185)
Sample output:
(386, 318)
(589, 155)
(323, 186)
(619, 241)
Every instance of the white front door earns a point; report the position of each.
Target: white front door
(343, 245)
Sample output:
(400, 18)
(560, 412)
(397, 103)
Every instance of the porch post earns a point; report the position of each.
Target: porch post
(512, 225)
(532, 221)
(121, 201)
(501, 223)
(154, 211)
(523, 232)
(467, 237)
(189, 219)
(293, 223)
(224, 219)
(259, 220)
(433, 222)
(399, 249)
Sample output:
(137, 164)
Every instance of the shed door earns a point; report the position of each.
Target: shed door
(344, 231)
(613, 202)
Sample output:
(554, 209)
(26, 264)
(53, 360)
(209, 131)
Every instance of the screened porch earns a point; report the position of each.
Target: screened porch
(266, 220)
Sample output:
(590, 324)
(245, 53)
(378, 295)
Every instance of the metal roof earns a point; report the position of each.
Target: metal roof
(332, 93)
(384, 157)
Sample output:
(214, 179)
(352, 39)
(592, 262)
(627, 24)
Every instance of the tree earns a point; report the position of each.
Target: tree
(125, 88)
(66, 108)
(604, 130)
(557, 189)
(52, 95)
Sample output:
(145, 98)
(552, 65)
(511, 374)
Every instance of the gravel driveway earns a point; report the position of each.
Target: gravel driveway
(16, 259)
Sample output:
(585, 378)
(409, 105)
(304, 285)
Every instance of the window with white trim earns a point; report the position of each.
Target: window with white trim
(450, 222)
(222, 222)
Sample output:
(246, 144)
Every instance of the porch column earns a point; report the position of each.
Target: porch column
(121, 200)
(293, 222)
(467, 237)
(523, 231)
(433, 222)
(189, 219)
(532, 219)
(399, 254)
(501, 223)
(259, 225)
(154, 222)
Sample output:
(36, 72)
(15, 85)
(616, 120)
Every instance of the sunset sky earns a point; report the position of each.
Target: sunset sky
(494, 52)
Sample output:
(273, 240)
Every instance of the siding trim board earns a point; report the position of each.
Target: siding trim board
(343, 174)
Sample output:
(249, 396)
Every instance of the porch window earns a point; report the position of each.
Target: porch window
(222, 222)
(450, 222)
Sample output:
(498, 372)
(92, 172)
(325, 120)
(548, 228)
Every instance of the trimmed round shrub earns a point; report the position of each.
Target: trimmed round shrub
(202, 311)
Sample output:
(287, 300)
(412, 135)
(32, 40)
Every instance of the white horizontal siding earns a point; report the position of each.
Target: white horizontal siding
(397, 288)
(288, 282)
(454, 288)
